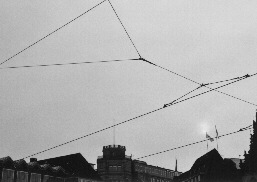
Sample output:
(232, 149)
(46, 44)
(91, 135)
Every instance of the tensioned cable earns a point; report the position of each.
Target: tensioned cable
(212, 89)
(65, 64)
(185, 94)
(52, 32)
(126, 121)
(124, 29)
(198, 82)
(222, 81)
(204, 85)
(175, 148)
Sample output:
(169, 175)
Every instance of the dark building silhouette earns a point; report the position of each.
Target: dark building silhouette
(21, 171)
(211, 167)
(76, 166)
(114, 165)
(249, 166)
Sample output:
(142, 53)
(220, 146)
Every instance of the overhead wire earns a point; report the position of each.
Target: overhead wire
(212, 89)
(168, 70)
(123, 122)
(65, 64)
(124, 28)
(53, 32)
(194, 143)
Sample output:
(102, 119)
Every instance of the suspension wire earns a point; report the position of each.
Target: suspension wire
(183, 146)
(223, 81)
(52, 32)
(123, 122)
(65, 64)
(124, 29)
(94, 132)
(201, 83)
(185, 94)
(212, 89)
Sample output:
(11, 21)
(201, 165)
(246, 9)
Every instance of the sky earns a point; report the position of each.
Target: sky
(206, 41)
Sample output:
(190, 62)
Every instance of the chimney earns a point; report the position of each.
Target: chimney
(33, 159)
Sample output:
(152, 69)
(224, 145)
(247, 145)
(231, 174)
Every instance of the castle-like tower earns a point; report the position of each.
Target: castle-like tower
(114, 165)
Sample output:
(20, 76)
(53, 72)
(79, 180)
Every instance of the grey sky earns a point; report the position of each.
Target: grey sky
(204, 40)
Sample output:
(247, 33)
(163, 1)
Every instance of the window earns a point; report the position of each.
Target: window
(8, 175)
(112, 168)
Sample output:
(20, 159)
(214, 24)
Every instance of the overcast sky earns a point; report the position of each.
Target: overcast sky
(205, 41)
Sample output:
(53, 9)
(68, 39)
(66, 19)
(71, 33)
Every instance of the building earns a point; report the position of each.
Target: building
(141, 171)
(21, 171)
(114, 165)
(76, 166)
(249, 165)
(211, 167)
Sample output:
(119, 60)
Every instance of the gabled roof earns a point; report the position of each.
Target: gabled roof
(6, 162)
(207, 159)
(74, 164)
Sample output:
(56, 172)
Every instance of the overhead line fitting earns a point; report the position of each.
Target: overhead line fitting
(246, 76)
(236, 78)
(211, 89)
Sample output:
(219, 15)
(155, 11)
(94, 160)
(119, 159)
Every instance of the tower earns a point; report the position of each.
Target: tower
(114, 165)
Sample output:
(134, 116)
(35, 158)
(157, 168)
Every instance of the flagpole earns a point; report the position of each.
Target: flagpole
(217, 136)
(207, 142)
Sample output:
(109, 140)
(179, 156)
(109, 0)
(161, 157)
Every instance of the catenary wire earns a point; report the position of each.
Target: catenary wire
(124, 29)
(222, 81)
(194, 143)
(199, 83)
(207, 91)
(212, 89)
(123, 122)
(65, 64)
(52, 32)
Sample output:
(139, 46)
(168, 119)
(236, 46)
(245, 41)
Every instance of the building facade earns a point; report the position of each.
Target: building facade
(115, 166)
(211, 167)
(70, 168)
(249, 165)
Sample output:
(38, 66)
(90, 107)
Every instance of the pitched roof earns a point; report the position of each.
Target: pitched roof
(6, 162)
(207, 159)
(74, 164)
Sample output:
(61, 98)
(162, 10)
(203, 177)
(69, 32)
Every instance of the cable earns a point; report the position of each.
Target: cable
(150, 112)
(185, 94)
(94, 132)
(52, 32)
(175, 148)
(200, 83)
(222, 81)
(65, 64)
(212, 89)
(124, 29)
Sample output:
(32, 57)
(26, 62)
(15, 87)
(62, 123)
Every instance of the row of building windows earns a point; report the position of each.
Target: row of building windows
(155, 171)
(195, 179)
(114, 168)
(158, 180)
